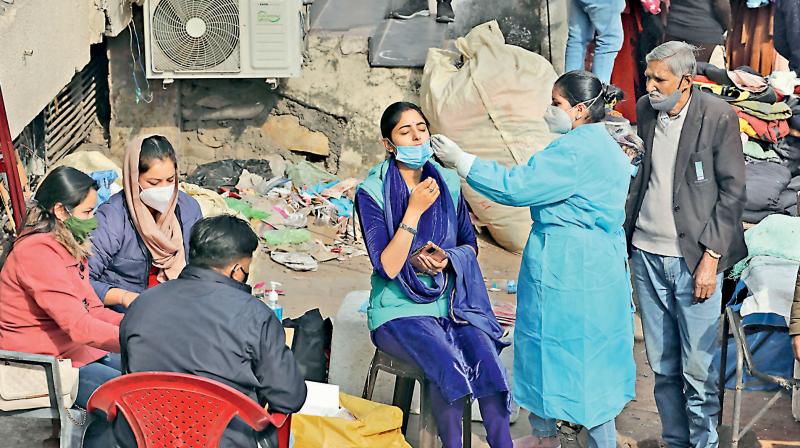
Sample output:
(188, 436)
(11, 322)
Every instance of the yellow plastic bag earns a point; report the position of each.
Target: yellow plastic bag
(376, 425)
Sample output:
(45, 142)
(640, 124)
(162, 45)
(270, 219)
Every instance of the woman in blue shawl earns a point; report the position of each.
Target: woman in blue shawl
(438, 318)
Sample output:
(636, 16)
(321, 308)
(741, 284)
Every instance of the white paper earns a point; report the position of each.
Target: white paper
(322, 400)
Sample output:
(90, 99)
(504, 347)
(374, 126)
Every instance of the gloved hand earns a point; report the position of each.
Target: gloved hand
(451, 155)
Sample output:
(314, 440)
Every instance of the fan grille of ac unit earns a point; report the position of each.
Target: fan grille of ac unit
(209, 50)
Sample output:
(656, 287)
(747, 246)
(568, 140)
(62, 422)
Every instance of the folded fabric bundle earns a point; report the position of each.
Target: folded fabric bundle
(788, 148)
(755, 217)
(769, 131)
(748, 81)
(765, 182)
(727, 93)
(778, 236)
(784, 82)
(787, 199)
(794, 104)
(794, 184)
(765, 111)
(771, 282)
(755, 151)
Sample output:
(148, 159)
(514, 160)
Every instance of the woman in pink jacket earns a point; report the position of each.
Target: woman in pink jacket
(47, 305)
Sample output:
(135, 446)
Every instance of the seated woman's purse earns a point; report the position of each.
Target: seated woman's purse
(24, 386)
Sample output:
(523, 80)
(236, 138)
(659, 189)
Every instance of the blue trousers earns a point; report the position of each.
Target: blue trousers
(587, 17)
(92, 375)
(458, 360)
(680, 338)
(601, 436)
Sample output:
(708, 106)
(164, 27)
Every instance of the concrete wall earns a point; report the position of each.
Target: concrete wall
(329, 114)
(43, 43)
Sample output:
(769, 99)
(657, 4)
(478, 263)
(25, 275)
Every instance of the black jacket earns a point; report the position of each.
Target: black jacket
(708, 213)
(787, 32)
(207, 324)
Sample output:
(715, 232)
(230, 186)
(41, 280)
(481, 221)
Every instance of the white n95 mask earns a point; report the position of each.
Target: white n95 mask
(158, 198)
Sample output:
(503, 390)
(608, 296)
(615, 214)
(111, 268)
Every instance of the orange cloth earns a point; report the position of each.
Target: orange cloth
(750, 40)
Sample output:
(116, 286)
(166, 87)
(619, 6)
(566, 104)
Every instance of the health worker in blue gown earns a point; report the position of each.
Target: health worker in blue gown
(573, 341)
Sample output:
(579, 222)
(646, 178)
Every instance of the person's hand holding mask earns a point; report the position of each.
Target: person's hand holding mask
(451, 155)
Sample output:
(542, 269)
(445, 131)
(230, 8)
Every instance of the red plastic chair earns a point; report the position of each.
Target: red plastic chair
(178, 410)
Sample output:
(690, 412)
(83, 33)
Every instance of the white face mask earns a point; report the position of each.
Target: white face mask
(158, 198)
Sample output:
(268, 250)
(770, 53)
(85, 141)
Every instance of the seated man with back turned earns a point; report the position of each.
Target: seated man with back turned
(207, 323)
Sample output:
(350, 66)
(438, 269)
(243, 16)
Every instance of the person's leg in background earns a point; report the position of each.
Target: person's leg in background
(699, 325)
(581, 32)
(544, 434)
(653, 278)
(93, 375)
(606, 18)
(408, 9)
(603, 436)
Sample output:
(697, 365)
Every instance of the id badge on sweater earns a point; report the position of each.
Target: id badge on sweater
(698, 171)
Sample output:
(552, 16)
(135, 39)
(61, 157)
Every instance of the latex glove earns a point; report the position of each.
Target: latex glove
(451, 155)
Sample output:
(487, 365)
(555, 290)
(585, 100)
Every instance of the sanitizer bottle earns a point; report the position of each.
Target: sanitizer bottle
(273, 300)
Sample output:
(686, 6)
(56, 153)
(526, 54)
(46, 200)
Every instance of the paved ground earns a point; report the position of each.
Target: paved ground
(638, 425)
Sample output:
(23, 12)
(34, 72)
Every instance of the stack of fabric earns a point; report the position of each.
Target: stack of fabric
(769, 119)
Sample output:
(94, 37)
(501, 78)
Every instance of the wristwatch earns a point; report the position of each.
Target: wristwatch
(408, 229)
(713, 254)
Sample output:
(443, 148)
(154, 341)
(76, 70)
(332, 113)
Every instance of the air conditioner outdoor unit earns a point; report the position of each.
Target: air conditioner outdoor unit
(223, 38)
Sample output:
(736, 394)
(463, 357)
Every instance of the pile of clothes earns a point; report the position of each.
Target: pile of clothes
(769, 120)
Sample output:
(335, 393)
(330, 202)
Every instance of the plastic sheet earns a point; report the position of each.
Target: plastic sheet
(376, 425)
(306, 173)
(286, 236)
(225, 173)
(245, 209)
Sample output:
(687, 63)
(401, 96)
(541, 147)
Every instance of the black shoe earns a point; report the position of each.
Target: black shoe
(412, 8)
(444, 12)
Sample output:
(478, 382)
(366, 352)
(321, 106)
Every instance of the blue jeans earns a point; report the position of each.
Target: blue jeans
(93, 375)
(587, 17)
(680, 338)
(601, 436)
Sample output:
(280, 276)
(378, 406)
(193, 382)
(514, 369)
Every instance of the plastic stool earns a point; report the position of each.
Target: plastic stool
(405, 376)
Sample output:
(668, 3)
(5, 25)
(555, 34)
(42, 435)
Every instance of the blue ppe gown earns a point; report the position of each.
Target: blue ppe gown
(573, 341)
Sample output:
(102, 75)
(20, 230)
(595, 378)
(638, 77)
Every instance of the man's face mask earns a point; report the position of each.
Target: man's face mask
(665, 103)
(239, 268)
(413, 157)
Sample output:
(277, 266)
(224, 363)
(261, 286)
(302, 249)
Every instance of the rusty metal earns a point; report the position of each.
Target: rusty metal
(71, 115)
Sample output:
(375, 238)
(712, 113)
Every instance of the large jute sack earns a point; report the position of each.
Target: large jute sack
(492, 106)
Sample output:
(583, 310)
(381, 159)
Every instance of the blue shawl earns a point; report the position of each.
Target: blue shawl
(469, 300)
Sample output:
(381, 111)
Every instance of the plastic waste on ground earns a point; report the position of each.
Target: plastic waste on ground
(246, 209)
(306, 173)
(286, 236)
(226, 173)
(296, 261)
